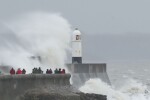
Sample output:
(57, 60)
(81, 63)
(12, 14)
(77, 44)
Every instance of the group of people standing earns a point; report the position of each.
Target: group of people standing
(19, 71)
(59, 71)
(37, 71)
(48, 71)
(56, 71)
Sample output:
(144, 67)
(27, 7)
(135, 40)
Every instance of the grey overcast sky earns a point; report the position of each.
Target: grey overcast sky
(91, 16)
(119, 28)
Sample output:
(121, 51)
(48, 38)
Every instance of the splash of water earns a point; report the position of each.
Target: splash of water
(131, 90)
(38, 34)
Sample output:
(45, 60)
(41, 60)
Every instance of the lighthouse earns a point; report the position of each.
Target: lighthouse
(76, 47)
(81, 72)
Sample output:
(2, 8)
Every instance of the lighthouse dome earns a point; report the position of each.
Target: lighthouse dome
(76, 32)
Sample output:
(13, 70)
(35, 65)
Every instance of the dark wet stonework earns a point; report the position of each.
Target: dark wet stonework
(46, 95)
(41, 87)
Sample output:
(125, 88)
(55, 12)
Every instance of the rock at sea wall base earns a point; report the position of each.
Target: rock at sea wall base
(37, 94)
(45, 95)
(88, 96)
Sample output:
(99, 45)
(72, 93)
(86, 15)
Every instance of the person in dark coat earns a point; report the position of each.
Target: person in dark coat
(12, 71)
(23, 71)
(56, 71)
(50, 71)
(47, 71)
(34, 70)
(59, 71)
(39, 70)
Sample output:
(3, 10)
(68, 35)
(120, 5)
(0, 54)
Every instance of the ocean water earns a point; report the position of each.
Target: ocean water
(129, 81)
(121, 72)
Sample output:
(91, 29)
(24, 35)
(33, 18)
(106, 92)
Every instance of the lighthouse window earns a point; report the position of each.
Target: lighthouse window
(77, 37)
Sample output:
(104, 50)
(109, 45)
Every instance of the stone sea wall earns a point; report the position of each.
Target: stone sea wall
(12, 86)
(41, 87)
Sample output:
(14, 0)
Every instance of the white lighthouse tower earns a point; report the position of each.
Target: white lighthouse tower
(76, 47)
(80, 69)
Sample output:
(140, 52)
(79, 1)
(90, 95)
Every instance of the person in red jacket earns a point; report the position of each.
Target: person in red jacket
(19, 71)
(12, 71)
(63, 71)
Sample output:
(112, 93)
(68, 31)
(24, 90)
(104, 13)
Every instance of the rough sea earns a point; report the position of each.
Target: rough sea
(129, 81)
